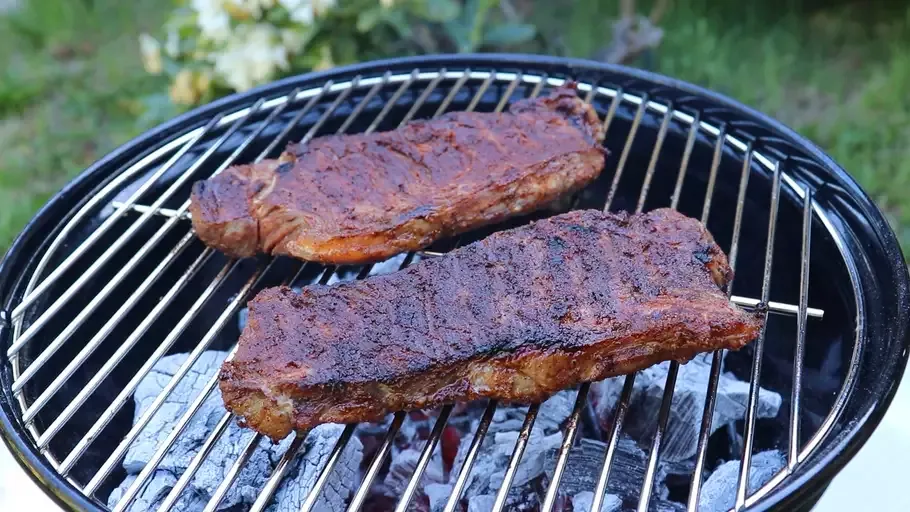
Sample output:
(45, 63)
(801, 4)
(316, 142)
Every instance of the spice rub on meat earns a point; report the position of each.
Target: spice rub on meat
(354, 199)
(515, 317)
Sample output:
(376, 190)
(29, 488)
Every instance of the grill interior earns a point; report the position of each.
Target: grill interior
(125, 283)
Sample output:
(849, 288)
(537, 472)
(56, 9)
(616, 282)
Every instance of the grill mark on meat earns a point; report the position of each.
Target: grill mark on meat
(514, 317)
(355, 199)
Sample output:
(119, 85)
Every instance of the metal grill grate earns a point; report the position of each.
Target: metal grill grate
(271, 122)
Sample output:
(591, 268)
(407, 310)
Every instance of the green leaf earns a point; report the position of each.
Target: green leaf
(437, 10)
(476, 12)
(486, 5)
(344, 51)
(277, 17)
(398, 21)
(368, 19)
(460, 34)
(155, 109)
(508, 34)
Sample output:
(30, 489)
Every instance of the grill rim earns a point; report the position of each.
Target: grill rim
(866, 217)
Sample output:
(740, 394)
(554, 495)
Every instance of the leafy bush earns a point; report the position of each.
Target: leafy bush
(209, 48)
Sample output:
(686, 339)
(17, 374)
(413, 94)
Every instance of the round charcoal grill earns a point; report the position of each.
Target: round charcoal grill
(108, 281)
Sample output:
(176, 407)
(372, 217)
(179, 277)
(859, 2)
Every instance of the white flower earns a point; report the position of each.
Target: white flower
(305, 11)
(251, 57)
(292, 40)
(254, 8)
(213, 19)
(151, 54)
(300, 11)
(388, 4)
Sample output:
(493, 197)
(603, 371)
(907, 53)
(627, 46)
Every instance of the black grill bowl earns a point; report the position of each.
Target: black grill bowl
(854, 356)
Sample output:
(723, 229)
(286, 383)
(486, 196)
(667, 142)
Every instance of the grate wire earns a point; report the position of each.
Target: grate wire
(511, 82)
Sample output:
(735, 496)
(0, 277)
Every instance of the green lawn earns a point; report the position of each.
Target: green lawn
(836, 71)
(839, 74)
(68, 70)
(841, 77)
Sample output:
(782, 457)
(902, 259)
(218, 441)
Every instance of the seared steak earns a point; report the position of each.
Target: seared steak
(517, 316)
(351, 199)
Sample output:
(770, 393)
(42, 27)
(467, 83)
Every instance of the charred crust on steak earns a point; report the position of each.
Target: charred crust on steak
(515, 317)
(361, 198)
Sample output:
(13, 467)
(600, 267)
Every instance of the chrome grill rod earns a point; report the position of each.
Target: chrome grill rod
(127, 392)
(137, 428)
(424, 459)
(162, 450)
(249, 448)
(115, 359)
(213, 437)
(525, 432)
(523, 436)
(759, 344)
(487, 418)
(670, 384)
(471, 456)
(272, 483)
(284, 464)
(623, 405)
(849, 380)
(77, 253)
(133, 338)
(718, 356)
(86, 275)
(274, 479)
(571, 430)
(118, 278)
(436, 433)
(801, 327)
(363, 490)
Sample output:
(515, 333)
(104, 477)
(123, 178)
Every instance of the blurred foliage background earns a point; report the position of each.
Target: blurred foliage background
(80, 77)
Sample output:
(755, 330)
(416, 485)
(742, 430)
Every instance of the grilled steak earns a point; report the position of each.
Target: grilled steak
(517, 316)
(350, 199)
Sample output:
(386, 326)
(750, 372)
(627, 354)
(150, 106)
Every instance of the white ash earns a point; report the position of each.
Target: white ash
(438, 495)
(388, 266)
(392, 264)
(659, 505)
(491, 463)
(482, 503)
(550, 416)
(309, 463)
(583, 501)
(681, 437)
(492, 460)
(154, 493)
(290, 494)
(718, 493)
(419, 424)
(626, 474)
(403, 466)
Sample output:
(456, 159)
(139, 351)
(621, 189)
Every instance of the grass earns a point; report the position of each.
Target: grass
(69, 71)
(838, 72)
(840, 76)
